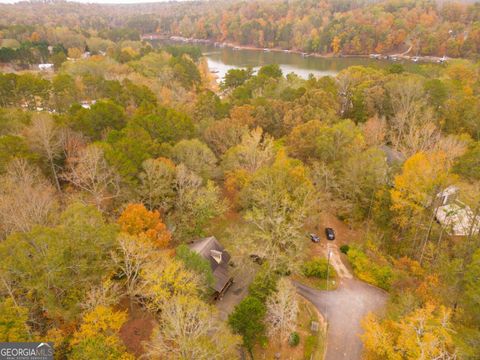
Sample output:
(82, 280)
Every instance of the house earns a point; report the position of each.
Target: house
(454, 215)
(392, 156)
(45, 66)
(211, 250)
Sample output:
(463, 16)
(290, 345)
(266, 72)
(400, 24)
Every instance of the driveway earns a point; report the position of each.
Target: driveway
(343, 309)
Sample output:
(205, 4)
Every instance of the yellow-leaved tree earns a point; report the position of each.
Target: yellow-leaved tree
(423, 334)
(98, 336)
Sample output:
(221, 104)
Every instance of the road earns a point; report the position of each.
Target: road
(344, 309)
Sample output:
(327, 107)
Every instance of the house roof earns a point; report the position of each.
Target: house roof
(393, 156)
(460, 219)
(210, 249)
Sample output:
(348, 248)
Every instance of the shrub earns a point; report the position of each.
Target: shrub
(317, 268)
(294, 339)
(311, 343)
(344, 249)
(369, 271)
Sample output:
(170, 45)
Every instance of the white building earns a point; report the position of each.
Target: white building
(455, 216)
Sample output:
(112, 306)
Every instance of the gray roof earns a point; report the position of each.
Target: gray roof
(211, 250)
(393, 156)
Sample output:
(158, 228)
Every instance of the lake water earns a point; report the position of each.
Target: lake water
(220, 60)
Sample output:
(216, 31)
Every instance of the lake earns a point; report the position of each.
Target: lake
(220, 60)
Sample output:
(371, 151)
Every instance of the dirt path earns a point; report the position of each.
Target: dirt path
(343, 308)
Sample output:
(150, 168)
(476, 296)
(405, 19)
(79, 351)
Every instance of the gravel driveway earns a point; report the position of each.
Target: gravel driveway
(344, 309)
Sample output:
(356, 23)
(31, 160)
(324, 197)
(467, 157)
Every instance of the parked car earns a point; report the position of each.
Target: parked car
(315, 238)
(330, 233)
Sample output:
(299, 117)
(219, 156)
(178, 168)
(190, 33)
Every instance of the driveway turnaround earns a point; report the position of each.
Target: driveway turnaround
(343, 309)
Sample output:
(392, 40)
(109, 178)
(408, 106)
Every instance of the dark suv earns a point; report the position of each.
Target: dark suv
(330, 233)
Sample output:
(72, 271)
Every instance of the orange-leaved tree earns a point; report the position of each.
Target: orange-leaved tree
(147, 225)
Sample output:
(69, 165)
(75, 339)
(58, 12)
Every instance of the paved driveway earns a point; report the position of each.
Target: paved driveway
(344, 309)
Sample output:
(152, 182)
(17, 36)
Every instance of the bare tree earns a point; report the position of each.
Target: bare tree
(131, 258)
(26, 198)
(190, 329)
(47, 139)
(91, 173)
(282, 310)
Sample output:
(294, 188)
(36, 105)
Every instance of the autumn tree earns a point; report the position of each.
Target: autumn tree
(190, 329)
(425, 333)
(415, 190)
(164, 279)
(99, 333)
(136, 220)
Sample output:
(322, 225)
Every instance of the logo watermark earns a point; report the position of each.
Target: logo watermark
(26, 351)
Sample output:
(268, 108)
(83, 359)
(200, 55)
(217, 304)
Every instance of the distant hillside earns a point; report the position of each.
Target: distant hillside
(343, 27)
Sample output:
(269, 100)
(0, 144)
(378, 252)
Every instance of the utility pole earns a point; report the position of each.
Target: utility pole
(329, 253)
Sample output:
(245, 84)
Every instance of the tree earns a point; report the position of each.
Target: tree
(157, 184)
(276, 201)
(226, 133)
(190, 329)
(236, 77)
(468, 165)
(26, 198)
(14, 147)
(147, 225)
(195, 262)
(99, 334)
(255, 151)
(96, 121)
(423, 177)
(422, 334)
(337, 142)
(47, 139)
(164, 279)
(195, 204)
(51, 267)
(166, 125)
(282, 310)
(302, 140)
(412, 126)
(247, 320)
(196, 156)
(272, 70)
(90, 173)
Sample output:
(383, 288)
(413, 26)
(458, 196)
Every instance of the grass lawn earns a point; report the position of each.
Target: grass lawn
(312, 344)
(316, 283)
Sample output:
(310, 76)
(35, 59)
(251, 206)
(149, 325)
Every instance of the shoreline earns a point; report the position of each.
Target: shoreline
(388, 57)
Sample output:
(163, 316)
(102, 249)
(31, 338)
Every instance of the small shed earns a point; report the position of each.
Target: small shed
(211, 250)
